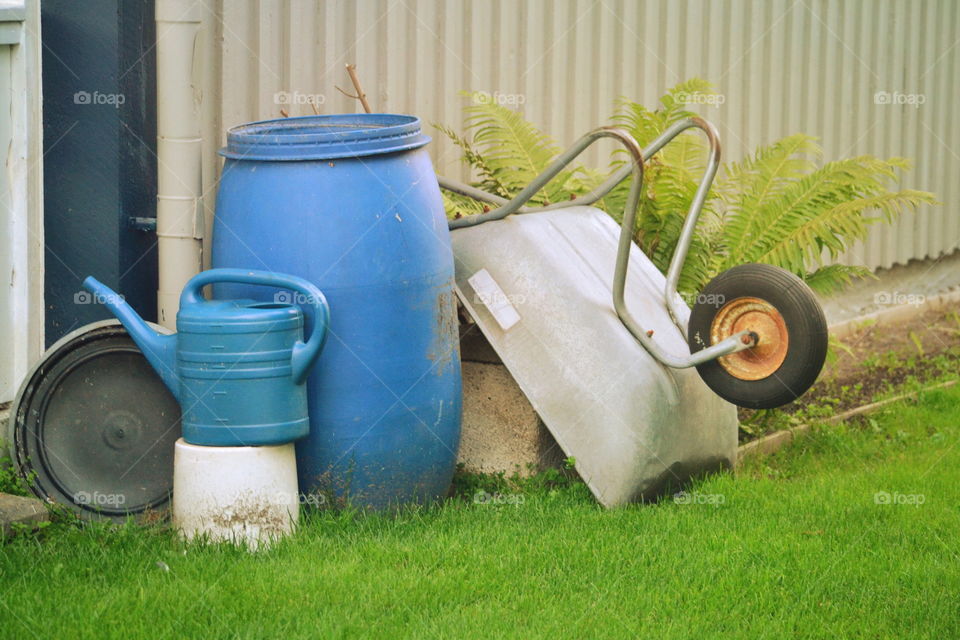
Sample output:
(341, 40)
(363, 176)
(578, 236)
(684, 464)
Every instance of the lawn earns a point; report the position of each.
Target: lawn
(850, 533)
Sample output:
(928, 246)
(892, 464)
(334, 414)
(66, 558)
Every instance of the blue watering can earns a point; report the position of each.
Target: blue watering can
(237, 367)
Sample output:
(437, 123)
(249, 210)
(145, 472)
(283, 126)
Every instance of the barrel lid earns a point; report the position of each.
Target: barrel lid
(93, 427)
(324, 137)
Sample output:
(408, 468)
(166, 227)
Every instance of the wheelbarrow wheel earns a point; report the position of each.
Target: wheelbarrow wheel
(791, 331)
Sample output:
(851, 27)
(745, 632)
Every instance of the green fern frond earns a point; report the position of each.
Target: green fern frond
(670, 182)
(471, 157)
(833, 277)
(824, 211)
(457, 206)
(514, 152)
(646, 124)
(776, 206)
(832, 229)
(675, 100)
(753, 183)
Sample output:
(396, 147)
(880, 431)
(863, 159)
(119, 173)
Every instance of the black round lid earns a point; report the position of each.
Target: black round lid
(93, 427)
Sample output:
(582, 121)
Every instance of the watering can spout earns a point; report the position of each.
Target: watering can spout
(159, 349)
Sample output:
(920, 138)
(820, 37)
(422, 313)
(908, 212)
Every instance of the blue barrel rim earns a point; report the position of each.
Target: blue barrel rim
(324, 137)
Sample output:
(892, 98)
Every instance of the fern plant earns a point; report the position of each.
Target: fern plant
(779, 206)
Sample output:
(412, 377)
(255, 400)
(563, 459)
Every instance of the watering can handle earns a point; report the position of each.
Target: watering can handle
(304, 353)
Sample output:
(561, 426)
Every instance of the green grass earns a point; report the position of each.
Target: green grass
(795, 545)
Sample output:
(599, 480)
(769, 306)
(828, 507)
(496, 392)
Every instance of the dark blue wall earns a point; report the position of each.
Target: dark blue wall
(99, 155)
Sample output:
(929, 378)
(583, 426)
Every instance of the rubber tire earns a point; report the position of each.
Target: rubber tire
(806, 330)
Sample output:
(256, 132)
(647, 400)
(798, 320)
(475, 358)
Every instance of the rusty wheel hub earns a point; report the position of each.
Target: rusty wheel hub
(761, 318)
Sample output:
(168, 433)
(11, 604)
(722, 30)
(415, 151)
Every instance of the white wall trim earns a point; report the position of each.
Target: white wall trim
(21, 186)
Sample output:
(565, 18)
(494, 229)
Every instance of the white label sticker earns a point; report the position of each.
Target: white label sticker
(487, 292)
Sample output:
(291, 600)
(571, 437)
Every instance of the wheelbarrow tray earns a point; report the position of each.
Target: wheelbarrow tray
(635, 427)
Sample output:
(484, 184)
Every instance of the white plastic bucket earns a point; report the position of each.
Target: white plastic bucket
(244, 495)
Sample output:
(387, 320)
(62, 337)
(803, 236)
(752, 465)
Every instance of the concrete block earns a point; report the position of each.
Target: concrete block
(501, 430)
(15, 510)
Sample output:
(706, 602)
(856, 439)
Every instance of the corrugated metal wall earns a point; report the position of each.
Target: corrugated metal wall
(782, 67)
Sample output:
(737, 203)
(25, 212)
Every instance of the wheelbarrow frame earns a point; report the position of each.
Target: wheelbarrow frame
(733, 343)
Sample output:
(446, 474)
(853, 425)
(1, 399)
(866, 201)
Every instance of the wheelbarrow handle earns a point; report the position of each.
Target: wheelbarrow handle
(634, 169)
(515, 205)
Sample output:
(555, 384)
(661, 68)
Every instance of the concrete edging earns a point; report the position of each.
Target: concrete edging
(898, 313)
(19, 513)
(773, 442)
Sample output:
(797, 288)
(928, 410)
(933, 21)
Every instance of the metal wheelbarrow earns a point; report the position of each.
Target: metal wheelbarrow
(602, 344)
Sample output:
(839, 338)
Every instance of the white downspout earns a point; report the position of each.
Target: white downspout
(179, 225)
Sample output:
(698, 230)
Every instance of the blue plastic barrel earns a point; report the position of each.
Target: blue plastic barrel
(351, 204)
